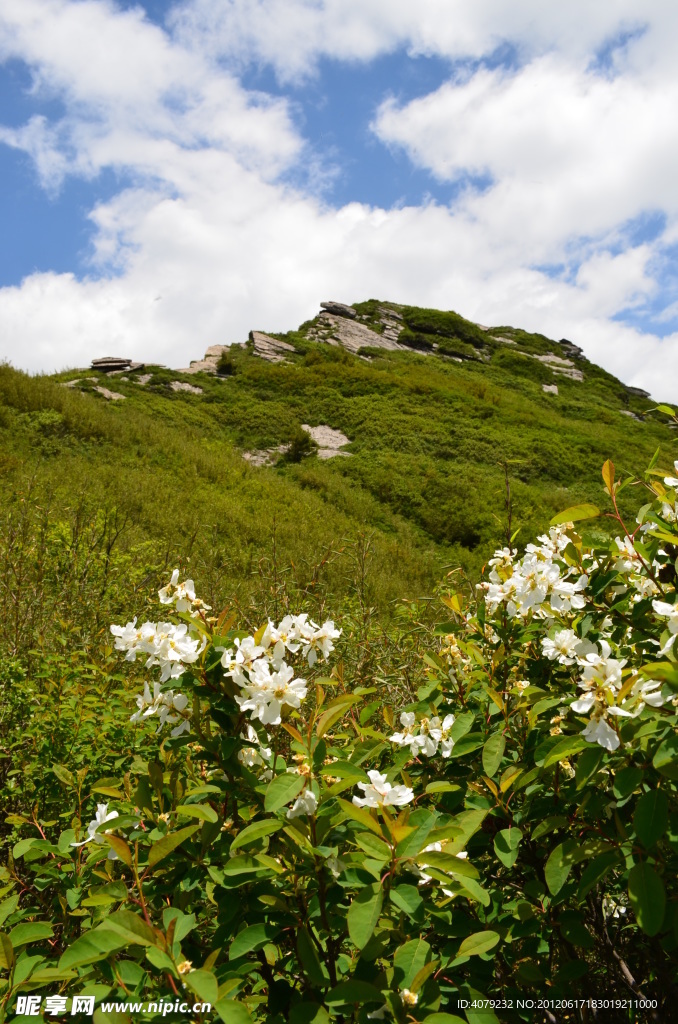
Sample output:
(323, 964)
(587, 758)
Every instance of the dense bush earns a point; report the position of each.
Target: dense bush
(496, 817)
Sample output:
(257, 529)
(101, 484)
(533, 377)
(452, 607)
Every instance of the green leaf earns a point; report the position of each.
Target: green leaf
(575, 514)
(168, 843)
(310, 961)
(8, 907)
(360, 814)
(92, 946)
(34, 931)
(309, 1013)
(232, 1012)
(120, 847)
(626, 780)
(255, 831)
(651, 817)
(6, 952)
(443, 1018)
(565, 748)
(506, 845)
(249, 940)
(353, 992)
(559, 864)
(449, 863)
(201, 811)
(282, 790)
(22, 847)
(479, 942)
(406, 898)
(375, 846)
(409, 960)
(363, 914)
(333, 713)
(666, 758)
(648, 898)
(63, 775)
(493, 751)
(596, 871)
(204, 984)
(133, 928)
(442, 787)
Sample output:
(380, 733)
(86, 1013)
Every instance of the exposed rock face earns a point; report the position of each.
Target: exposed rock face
(115, 364)
(110, 395)
(270, 348)
(337, 330)
(501, 338)
(550, 389)
(209, 363)
(638, 392)
(180, 385)
(329, 441)
(339, 309)
(265, 456)
(572, 350)
(565, 367)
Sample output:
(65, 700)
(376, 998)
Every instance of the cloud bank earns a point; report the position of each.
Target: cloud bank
(553, 132)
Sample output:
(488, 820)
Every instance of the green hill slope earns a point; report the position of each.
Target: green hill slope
(100, 494)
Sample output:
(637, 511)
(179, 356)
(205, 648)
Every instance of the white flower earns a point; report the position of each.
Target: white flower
(255, 757)
(163, 704)
(409, 724)
(320, 640)
(446, 742)
(102, 816)
(267, 692)
(672, 481)
(380, 793)
(670, 612)
(427, 739)
(306, 803)
(598, 731)
(611, 908)
(182, 595)
(408, 998)
(562, 647)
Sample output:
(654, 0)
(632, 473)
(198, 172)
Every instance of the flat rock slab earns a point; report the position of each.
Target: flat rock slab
(329, 441)
(351, 334)
(271, 349)
(180, 385)
(550, 389)
(340, 309)
(112, 396)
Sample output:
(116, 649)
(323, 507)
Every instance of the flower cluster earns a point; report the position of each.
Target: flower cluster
(604, 694)
(424, 735)
(256, 755)
(541, 575)
(257, 665)
(164, 704)
(166, 645)
(380, 793)
(182, 596)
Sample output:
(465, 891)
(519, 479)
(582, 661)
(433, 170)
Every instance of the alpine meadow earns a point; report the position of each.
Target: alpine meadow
(339, 682)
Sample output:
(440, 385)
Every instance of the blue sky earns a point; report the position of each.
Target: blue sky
(175, 174)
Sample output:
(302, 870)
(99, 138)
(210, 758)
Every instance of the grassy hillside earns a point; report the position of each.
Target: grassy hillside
(100, 496)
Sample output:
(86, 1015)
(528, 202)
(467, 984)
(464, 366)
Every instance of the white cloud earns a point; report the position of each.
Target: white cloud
(207, 243)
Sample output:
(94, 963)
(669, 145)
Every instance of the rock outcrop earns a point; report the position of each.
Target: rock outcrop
(270, 348)
(115, 364)
(338, 330)
(329, 441)
(339, 309)
(565, 367)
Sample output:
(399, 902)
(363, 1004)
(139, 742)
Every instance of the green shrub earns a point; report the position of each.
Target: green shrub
(489, 812)
(225, 364)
